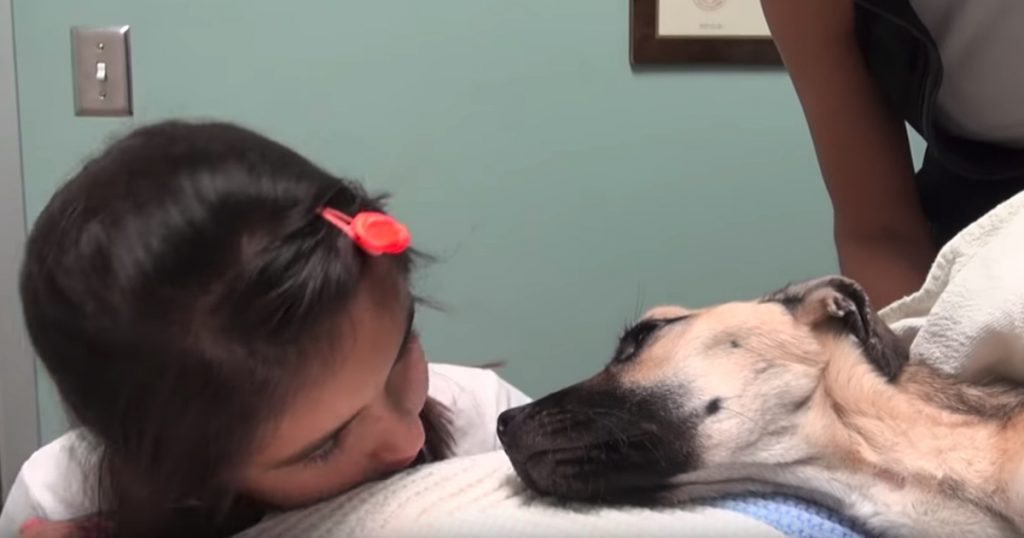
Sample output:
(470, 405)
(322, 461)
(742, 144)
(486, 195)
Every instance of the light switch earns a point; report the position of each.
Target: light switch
(102, 71)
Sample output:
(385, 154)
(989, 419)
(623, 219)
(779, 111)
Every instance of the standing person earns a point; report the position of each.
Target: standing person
(862, 70)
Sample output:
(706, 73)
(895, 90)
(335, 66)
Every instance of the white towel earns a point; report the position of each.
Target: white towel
(968, 317)
(478, 496)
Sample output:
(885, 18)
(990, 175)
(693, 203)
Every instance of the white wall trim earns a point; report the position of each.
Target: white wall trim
(19, 417)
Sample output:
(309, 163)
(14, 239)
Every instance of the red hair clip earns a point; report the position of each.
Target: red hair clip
(375, 233)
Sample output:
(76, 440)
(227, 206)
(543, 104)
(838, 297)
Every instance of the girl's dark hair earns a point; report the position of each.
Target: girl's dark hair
(174, 289)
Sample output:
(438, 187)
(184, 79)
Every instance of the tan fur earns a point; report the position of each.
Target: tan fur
(925, 455)
(892, 430)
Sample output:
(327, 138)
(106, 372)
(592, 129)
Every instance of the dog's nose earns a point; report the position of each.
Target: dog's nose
(505, 419)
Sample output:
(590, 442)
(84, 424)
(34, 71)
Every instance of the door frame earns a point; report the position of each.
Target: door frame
(19, 415)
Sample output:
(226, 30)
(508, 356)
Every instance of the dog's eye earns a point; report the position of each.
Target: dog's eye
(634, 338)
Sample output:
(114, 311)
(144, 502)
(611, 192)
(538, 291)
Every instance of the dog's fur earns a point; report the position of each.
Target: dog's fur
(804, 391)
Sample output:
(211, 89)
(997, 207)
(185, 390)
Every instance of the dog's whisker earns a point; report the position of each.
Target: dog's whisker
(655, 451)
(741, 415)
(760, 428)
(641, 298)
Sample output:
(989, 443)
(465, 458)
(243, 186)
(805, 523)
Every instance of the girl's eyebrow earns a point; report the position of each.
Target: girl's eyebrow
(313, 447)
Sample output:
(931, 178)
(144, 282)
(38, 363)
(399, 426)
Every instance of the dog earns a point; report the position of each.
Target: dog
(804, 392)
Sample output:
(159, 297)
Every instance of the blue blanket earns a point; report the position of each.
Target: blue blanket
(793, 517)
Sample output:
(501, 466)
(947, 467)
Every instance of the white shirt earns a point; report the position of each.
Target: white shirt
(53, 484)
(981, 43)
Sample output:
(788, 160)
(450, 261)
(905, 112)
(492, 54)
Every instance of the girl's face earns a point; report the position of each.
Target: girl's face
(358, 418)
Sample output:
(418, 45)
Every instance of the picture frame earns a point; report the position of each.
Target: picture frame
(702, 32)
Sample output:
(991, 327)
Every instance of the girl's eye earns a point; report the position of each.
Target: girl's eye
(323, 454)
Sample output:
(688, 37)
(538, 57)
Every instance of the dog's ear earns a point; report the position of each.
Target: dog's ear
(837, 301)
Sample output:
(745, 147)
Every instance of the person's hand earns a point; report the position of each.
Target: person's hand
(38, 528)
(79, 528)
(889, 265)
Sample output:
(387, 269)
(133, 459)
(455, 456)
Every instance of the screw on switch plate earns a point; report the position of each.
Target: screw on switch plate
(102, 71)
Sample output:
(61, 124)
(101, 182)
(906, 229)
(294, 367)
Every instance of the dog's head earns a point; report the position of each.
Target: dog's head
(689, 390)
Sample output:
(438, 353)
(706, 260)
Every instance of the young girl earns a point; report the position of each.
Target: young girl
(233, 330)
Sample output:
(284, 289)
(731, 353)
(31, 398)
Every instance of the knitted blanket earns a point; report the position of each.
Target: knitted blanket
(476, 496)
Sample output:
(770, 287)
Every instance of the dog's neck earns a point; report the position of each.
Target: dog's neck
(925, 430)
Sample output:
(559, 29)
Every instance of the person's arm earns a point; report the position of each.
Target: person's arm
(39, 528)
(881, 234)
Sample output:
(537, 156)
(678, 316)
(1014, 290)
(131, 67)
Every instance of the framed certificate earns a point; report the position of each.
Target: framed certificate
(700, 32)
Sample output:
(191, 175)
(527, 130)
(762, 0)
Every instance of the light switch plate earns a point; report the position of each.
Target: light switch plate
(102, 71)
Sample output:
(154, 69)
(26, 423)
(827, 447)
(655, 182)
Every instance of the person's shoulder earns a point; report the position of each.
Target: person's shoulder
(474, 397)
(449, 382)
(60, 477)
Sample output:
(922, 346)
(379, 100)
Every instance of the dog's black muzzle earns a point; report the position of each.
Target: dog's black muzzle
(597, 441)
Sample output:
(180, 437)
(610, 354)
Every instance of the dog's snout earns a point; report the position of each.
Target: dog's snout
(505, 419)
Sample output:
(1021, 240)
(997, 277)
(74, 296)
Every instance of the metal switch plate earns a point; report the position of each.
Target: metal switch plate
(102, 71)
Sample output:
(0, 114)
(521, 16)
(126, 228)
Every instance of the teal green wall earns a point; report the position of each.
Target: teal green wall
(562, 191)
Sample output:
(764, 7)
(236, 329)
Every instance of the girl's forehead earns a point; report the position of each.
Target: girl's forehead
(380, 306)
(350, 373)
(383, 283)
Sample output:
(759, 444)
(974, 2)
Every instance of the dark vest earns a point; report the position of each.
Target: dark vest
(960, 179)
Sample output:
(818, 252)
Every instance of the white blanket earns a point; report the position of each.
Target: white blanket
(478, 496)
(968, 317)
